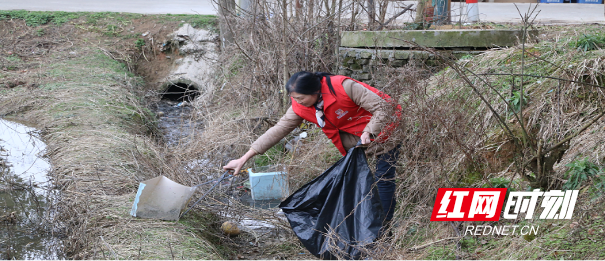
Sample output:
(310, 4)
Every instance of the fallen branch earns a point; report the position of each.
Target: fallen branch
(109, 247)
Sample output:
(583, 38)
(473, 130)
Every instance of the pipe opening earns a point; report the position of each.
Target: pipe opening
(180, 92)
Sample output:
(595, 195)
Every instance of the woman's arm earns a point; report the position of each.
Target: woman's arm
(272, 136)
(372, 103)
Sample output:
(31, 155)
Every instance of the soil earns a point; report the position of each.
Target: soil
(157, 66)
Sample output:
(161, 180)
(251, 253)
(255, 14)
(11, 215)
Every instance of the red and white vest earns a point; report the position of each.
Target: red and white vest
(342, 114)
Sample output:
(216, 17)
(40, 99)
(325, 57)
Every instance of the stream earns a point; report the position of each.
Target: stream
(176, 126)
(175, 122)
(25, 193)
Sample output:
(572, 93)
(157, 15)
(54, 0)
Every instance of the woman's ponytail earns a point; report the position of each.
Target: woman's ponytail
(321, 75)
(308, 83)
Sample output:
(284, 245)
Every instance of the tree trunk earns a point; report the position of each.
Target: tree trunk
(353, 14)
(298, 9)
(420, 11)
(226, 8)
(310, 9)
(371, 14)
(284, 55)
(382, 6)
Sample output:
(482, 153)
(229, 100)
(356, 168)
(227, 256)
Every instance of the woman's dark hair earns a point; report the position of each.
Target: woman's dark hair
(308, 83)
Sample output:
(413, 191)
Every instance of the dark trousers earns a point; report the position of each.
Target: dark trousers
(385, 175)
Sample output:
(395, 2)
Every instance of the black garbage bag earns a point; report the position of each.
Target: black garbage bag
(338, 214)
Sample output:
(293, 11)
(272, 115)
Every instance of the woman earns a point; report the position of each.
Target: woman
(347, 111)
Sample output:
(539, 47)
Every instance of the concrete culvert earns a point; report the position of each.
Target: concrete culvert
(179, 91)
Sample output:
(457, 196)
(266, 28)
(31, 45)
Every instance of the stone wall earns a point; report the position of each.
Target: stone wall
(361, 52)
(360, 63)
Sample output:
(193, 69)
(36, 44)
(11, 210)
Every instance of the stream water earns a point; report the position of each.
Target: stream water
(175, 121)
(25, 193)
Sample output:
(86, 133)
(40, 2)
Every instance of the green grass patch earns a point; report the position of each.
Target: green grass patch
(581, 171)
(13, 58)
(197, 21)
(271, 156)
(110, 23)
(206, 225)
(139, 43)
(517, 100)
(589, 42)
(444, 252)
(37, 18)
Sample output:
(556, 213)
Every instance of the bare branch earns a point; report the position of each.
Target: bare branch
(407, 8)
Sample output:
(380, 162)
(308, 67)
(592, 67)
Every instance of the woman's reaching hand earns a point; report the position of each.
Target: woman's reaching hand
(237, 164)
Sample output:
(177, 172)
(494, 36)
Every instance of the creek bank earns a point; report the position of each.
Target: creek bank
(97, 128)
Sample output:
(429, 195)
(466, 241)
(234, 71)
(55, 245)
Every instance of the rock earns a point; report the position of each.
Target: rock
(230, 228)
(188, 33)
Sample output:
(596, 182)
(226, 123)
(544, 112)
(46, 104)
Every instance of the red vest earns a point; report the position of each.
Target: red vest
(342, 114)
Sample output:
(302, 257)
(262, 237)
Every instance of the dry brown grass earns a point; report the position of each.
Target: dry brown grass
(460, 143)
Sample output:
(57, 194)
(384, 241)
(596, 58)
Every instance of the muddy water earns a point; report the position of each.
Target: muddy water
(24, 191)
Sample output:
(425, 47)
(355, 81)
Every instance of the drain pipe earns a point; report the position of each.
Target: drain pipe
(472, 11)
(179, 89)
